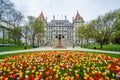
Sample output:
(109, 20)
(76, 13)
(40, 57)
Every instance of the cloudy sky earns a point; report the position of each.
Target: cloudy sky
(88, 9)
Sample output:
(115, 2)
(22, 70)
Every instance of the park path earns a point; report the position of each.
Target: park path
(51, 48)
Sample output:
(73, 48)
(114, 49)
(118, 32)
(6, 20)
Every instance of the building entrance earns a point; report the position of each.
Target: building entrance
(59, 36)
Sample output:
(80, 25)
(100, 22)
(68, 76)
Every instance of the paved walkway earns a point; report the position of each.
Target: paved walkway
(51, 48)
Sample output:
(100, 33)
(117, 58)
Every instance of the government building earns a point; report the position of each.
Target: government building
(62, 28)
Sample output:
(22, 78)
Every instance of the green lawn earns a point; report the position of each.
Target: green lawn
(105, 47)
(13, 48)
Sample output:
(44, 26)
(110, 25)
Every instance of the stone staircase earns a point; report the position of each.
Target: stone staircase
(64, 42)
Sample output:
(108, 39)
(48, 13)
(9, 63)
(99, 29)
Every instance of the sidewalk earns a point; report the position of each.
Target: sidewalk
(51, 48)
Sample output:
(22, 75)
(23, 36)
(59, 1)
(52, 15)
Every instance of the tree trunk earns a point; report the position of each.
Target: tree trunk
(87, 42)
(101, 45)
(26, 41)
(33, 41)
(15, 41)
(19, 42)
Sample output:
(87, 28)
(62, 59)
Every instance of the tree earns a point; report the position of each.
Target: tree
(81, 33)
(25, 33)
(15, 17)
(116, 35)
(10, 15)
(16, 33)
(5, 8)
(117, 23)
(35, 26)
(103, 28)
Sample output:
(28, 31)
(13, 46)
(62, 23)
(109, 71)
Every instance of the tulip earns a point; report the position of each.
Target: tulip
(118, 75)
(51, 71)
(107, 78)
(40, 77)
(0, 72)
(77, 77)
(91, 78)
(54, 78)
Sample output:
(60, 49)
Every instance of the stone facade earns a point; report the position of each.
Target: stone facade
(63, 28)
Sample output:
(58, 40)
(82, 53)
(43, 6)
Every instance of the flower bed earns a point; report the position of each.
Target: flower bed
(60, 65)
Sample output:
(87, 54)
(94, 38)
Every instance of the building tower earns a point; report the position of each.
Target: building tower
(42, 17)
(77, 21)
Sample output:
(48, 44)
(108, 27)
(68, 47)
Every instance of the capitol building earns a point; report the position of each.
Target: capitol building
(62, 28)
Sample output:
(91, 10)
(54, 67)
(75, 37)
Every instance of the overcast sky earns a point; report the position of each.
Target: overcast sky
(88, 9)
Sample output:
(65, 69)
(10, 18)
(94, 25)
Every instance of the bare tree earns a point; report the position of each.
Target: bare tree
(25, 33)
(5, 8)
(15, 17)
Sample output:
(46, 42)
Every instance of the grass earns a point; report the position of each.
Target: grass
(107, 54)
(105, 47)
(13, 48)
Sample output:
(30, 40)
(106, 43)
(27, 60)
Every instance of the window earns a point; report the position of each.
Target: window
(56, 23)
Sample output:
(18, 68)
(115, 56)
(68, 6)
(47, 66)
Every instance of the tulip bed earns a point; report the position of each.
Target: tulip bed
(60, 65)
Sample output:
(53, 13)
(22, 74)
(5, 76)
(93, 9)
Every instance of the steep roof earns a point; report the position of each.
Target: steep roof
(42, 16)
(78, 18)
(59, 23)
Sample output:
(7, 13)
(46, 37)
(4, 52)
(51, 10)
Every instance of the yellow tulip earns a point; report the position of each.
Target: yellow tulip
(56, 75)
(76, 71)
(112, 79)
(20, 75)
(41, 73)
(65, 74)
(72, 78)
(66, 78)
(6, 78)
(4, 69)
(33, 71)
(91, 78)
(10, 72)
(1, 77)
(88, 69)
(85, 77)
(107, 78)
(36, 72)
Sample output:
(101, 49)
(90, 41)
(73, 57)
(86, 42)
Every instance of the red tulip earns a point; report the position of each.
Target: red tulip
(54, 78)
(45, 74)
(87, 79)
(90, 73)
(31, 77)
(51, 71)
(77, 77)
(114, 68)
(118, 70)
(40, 77)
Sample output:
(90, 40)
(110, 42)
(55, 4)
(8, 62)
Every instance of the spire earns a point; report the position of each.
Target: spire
(42, 16)
(78, 18)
